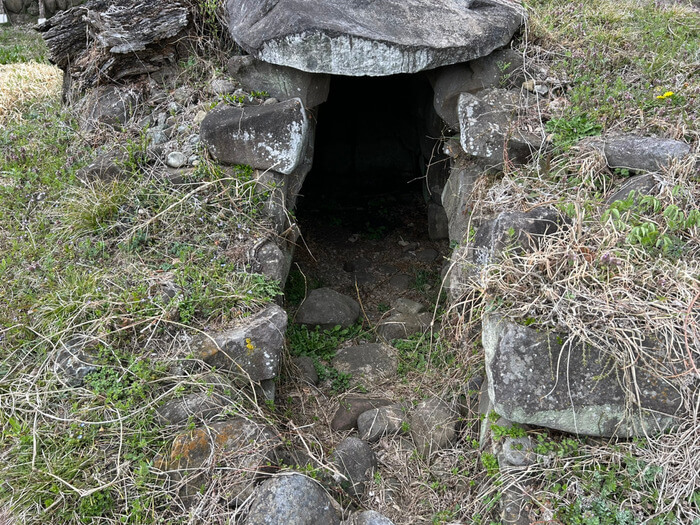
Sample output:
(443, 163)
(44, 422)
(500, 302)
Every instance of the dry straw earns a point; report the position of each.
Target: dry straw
(23, 83)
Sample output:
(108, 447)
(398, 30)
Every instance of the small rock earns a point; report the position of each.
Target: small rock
(345, 418)
(368, 364)
(199, 117)
(73, 364)
(193, 139)
(245, 443)
(174, 108)
(356, 461)
(518, 452)
(182, 96)
(401, 282)
(426, 255)
(156, 136)
(291, 500)
(253, 345)
(176, 159)
(433, 425)
(199, 405)
(327, 308)
(642, 153)
(401, 326)
(221, 86)
(407, 306)
(307, 370)
(378, 422)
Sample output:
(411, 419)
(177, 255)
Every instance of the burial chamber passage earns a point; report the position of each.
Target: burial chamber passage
(374, 153)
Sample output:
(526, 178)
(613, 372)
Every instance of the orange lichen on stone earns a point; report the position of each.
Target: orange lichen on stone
(190, 450)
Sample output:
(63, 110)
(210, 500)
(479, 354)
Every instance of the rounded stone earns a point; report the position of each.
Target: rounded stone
(291, 500)
(176, 159)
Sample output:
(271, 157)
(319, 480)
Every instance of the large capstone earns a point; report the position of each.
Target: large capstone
(538, 378)
(366, 37)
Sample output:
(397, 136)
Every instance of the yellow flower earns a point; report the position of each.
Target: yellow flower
(665, 95)
(249, 344)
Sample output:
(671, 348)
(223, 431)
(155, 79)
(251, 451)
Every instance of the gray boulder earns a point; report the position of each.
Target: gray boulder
(642, 153)
(519, 231)
(327, 308)
(367, 517)
(242, 445)
(368, 364)
(270, 136)
(487, 131)
(378, 422)
(486, 72)
(534, 378)
(456, 196)
(356, 461)
(291, 500)
(361, 37)
(271, 260)
(280, 82)
(433, 425)
(108, 105)
(252, 347)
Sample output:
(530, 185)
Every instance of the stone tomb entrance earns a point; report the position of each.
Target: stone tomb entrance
(363, 207)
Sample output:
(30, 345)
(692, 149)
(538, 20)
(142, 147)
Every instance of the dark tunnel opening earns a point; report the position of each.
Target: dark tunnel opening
(372, 147)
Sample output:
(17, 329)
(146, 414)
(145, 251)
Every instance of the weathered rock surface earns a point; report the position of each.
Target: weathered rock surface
(642, 153)
(106, 166)
(639, 184)
(378, 422)
(252, 347)
(400, 325)
(509, 230)
(433, 425)
(108, 105)
(73, 363)
(437, 222)
(280, 82)
(487, 128)
(359, 37)
(327, 308)
(533, 378)
(368, 364)
(307, 370)
(291, 500)
(367, 517)
(345, 418)
(456, 196)
(199, 405)
(356, 461)
(133, 39)
(243, 445)
(486, 72)
(271, 136)
(271, 260)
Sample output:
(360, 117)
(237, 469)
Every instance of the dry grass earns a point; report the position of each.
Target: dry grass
(24, 83)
